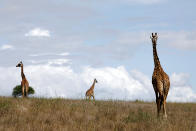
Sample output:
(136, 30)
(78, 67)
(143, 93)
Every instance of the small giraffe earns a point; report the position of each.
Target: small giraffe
(24, 82)
(90, 92)
(160, 80)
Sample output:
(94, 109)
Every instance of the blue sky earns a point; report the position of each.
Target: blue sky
(106, 35)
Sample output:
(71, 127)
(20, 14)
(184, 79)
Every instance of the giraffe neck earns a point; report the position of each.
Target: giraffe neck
(22, 73)
(93, 85)
(156, 58)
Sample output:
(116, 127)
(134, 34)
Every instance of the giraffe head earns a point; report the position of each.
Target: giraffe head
(20, 64)
(154, 38)
(95, 80)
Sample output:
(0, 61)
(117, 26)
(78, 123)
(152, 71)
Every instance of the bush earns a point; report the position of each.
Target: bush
(17, 91)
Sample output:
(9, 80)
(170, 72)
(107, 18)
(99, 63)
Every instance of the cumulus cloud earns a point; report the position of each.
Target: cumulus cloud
(38, 32)
(144, 1)
(180, 90)
(52, 81)
(6, 47)
(184, 40)
(50, 54)
(117, 83)
(56, 62)
(113, 83)
(179, 79)
(181, 40)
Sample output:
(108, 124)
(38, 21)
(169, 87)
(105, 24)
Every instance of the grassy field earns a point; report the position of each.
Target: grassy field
(81, 115)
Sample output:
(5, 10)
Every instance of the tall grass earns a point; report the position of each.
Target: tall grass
(81, 115)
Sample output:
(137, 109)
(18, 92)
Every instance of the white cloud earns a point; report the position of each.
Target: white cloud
(181, 40)
(37, 32)
(113, 83)
(144, 1)
(59, 61)
(179, 79)
(48, 54)
(131, 2)
(182, 94)
(184, 40)
(64, 54)
(51, 81)
(117, 83)
(6, 47)
(180, 91)
(133, 38)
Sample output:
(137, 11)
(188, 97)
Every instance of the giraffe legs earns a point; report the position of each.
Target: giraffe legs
(23, 91)
(164, 109)
(158, 106)
(26, 90)
(161, 102)
(89, 97)
(158, 102)
(159, 96)
(93, 97)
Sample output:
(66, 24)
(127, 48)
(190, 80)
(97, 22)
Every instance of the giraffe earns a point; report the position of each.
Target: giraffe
(160, 80)
(24, 82)
(90, 92)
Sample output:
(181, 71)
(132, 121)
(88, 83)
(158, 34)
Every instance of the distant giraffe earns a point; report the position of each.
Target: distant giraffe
(160, 80)
(90, 92)
(24, 82)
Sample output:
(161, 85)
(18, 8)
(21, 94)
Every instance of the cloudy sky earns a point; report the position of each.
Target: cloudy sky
(65, 44)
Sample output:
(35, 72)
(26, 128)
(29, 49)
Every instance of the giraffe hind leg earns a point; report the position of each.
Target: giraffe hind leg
(158, 106)
(160, 96)
(161, 102)
(164, 108)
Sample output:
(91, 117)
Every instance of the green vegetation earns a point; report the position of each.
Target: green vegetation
(17, 91)
(81, 115)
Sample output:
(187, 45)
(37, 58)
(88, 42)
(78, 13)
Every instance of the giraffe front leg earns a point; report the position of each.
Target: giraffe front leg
(23, 91)
(26, 90)
(93, 97)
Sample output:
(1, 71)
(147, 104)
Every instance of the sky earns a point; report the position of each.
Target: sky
(65, 44)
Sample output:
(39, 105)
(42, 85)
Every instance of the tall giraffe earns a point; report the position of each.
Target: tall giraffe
(24, 82)
(90, 92)
(160, 80)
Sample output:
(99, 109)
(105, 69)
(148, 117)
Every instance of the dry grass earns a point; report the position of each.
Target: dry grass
(79, 115)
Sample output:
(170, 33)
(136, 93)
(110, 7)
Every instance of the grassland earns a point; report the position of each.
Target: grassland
(80, 115)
